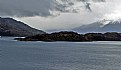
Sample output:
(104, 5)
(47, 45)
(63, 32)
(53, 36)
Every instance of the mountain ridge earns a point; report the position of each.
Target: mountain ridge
(12, 27)
(100, 26)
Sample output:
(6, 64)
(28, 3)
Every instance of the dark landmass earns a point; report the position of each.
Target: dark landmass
(12, 27)
(74, 37)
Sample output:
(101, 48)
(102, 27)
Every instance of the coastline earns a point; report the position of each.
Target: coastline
(73, 37)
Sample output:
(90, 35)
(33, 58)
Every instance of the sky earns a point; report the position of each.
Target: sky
(60, 14)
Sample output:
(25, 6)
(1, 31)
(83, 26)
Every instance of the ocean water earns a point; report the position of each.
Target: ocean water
(16, 55)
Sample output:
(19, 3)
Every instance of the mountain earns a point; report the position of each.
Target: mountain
(11, 27)
(101, 26)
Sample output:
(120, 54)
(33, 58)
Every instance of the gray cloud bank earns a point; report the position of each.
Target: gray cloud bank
(23, 8)
(72, 13)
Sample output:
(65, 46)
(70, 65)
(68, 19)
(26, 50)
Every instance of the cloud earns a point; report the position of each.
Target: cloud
(76, 15)
(25, 7)
(28, 8)
(72, 13)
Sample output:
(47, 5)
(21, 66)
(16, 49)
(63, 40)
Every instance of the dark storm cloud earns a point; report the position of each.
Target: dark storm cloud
(23, 8)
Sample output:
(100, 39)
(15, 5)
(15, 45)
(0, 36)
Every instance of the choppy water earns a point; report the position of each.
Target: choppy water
(16, 55)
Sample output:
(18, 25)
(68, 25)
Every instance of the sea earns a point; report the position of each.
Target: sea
(37, 55)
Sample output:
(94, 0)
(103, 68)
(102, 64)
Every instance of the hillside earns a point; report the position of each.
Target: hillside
(100, 26)
(11, 27)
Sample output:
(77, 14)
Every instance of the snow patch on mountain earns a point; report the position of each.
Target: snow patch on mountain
(104, 22)
(101, 26)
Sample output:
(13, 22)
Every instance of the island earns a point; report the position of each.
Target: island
(73, 37)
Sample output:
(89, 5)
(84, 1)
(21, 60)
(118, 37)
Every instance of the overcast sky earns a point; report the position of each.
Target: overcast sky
(59, 14)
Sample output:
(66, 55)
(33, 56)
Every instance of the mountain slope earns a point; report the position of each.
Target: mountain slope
(101, 26)
(11, 27)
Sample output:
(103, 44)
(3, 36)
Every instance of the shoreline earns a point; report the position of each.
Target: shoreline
(73, 37)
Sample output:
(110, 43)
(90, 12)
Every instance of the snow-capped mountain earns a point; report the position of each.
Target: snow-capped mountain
(101, 26)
